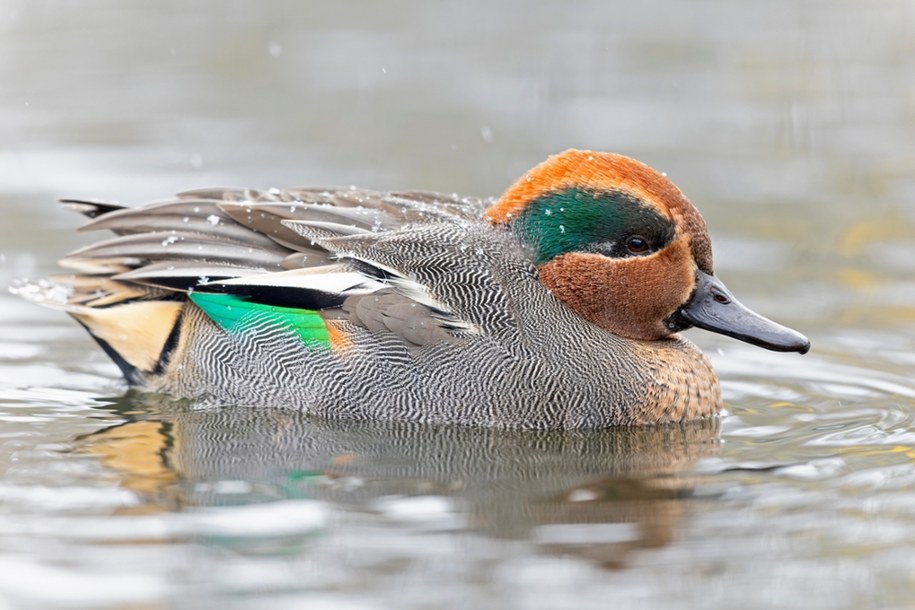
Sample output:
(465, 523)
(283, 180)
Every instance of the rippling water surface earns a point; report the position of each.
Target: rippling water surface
(790, 125)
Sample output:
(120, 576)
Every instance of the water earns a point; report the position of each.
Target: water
(788, 123)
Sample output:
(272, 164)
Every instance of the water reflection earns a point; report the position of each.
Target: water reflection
(598, 495)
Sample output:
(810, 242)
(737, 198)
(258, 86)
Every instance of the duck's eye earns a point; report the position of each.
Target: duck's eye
(637, 245)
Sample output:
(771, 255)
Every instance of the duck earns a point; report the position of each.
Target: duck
(557, 306)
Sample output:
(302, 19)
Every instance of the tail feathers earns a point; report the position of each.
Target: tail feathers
(137, 335)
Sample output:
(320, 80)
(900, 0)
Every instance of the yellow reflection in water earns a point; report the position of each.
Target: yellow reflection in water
(138, 452)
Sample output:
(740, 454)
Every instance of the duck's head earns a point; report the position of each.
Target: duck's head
(620, 245)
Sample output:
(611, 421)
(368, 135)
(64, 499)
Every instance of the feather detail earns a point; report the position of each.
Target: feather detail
(184, 275)
(98, 266)
(136, 332)
(90, 209)
(391, 303)
(312, 258)
(268, 223)
(414, 323)
(237, 315)
(178, 245)
(312, 288)
(319, 233)
(201, 217)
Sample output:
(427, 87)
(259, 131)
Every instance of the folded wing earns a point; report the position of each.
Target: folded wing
(298, 260)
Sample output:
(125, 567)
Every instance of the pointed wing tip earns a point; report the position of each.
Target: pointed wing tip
(90, 209)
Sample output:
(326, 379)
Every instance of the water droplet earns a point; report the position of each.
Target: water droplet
(582, 495)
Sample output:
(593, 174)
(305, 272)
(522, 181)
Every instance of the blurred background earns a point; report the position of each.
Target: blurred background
(789, 123)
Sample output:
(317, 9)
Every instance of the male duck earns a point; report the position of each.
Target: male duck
(556, 306)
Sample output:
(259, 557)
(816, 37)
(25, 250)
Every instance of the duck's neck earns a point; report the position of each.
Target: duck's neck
(679, 382)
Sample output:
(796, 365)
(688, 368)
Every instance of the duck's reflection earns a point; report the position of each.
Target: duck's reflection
(597, 494)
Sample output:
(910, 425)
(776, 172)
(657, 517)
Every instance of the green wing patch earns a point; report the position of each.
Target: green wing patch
(236, 315)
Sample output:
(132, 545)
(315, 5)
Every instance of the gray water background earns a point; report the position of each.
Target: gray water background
(790, 124)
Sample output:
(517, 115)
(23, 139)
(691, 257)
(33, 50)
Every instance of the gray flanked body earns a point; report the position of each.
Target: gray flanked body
(525, 360)
(446, 322)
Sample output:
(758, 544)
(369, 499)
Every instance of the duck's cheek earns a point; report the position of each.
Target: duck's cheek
(630, 297)
(658, 285)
